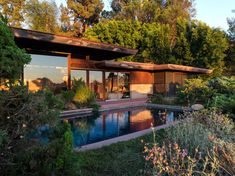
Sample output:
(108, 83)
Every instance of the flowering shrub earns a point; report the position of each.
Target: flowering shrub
(201, 144)
(172, 160)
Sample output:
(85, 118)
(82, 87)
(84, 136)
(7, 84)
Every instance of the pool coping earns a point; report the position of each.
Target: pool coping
(122, 138)
(89, 111)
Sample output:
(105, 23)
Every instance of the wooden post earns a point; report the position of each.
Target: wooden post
(103, 81)
(69, 71)
(87, 72)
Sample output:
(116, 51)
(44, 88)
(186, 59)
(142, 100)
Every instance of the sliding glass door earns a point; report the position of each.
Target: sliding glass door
(117, 85)
(96, 83)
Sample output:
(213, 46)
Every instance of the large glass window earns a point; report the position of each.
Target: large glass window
(117, 85)
(96, 83)
(78, 74)
(46, 72)
(123, 84)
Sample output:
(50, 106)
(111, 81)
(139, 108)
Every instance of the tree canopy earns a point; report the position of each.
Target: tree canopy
(13, 11)
(41, 15)
(12, 58)
(196, 43)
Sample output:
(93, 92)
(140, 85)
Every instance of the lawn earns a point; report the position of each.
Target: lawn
(123, 158)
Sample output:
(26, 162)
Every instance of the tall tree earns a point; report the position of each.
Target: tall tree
(13, 11)
(230, 59)
(84, 13)
(12, 58)
(65, 18)
(42, 15)
(196, 43)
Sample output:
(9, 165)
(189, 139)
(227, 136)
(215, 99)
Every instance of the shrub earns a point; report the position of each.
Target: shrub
(67, 96)
(201, 144)
(12, 58)
(216, 92)
(84, 96)
(194, 91)
(171, 159)
(24, 118)
(225, 103)
(190, 135)
(161, 99)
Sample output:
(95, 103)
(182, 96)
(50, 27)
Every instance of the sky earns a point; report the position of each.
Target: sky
(212, 12)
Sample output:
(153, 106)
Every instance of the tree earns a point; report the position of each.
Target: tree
(84, 13)
(65, 18)
(42, 16)
(12, 58)
(208, 46)
(13, 11)
(196, 44)
(123, 33)
(230, 59)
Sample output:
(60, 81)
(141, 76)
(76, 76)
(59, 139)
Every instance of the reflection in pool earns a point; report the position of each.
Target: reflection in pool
(107, 125)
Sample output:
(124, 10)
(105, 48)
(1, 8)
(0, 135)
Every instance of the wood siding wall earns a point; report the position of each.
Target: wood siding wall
(167, 82)
(141, 77)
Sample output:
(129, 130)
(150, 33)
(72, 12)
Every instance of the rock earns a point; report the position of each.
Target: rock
(197, 107)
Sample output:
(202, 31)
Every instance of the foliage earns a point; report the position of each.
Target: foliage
(56, 157)
(194, 44)
(162, 99)
(190, 135)
(196, 127)
(127, 158)
(123, 33)
(67, 96)
(216, 92)
(41, 16)
(84, 96)
(151, 11)
(13, 11)
(194, 91)
(84, 13)
(12, 58)
(225, 103)
(173, 160)
(24, 119)
(202, 143)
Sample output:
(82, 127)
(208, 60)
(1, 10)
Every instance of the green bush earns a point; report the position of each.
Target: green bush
(203, 143)
(161, 99)
(84, 96)
(67, 96)
(194, 91)
(24, 118)
(215, 92)
(225, 103)
(12, 58)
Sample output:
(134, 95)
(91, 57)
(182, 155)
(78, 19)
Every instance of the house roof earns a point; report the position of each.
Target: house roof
(152, 67)
(41, 42)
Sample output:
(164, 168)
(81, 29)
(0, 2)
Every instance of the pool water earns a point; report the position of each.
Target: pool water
(106, 125)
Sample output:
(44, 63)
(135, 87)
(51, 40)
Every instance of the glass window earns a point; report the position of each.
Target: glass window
(117, 85)
(123, 84)
(96, 83)
(78, 74)
(46, 72)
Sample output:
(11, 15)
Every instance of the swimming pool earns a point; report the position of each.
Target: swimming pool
(110, 124)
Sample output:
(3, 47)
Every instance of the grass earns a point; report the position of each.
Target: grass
(120, 159)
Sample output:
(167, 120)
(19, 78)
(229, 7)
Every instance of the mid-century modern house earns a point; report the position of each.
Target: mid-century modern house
(57, 60)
